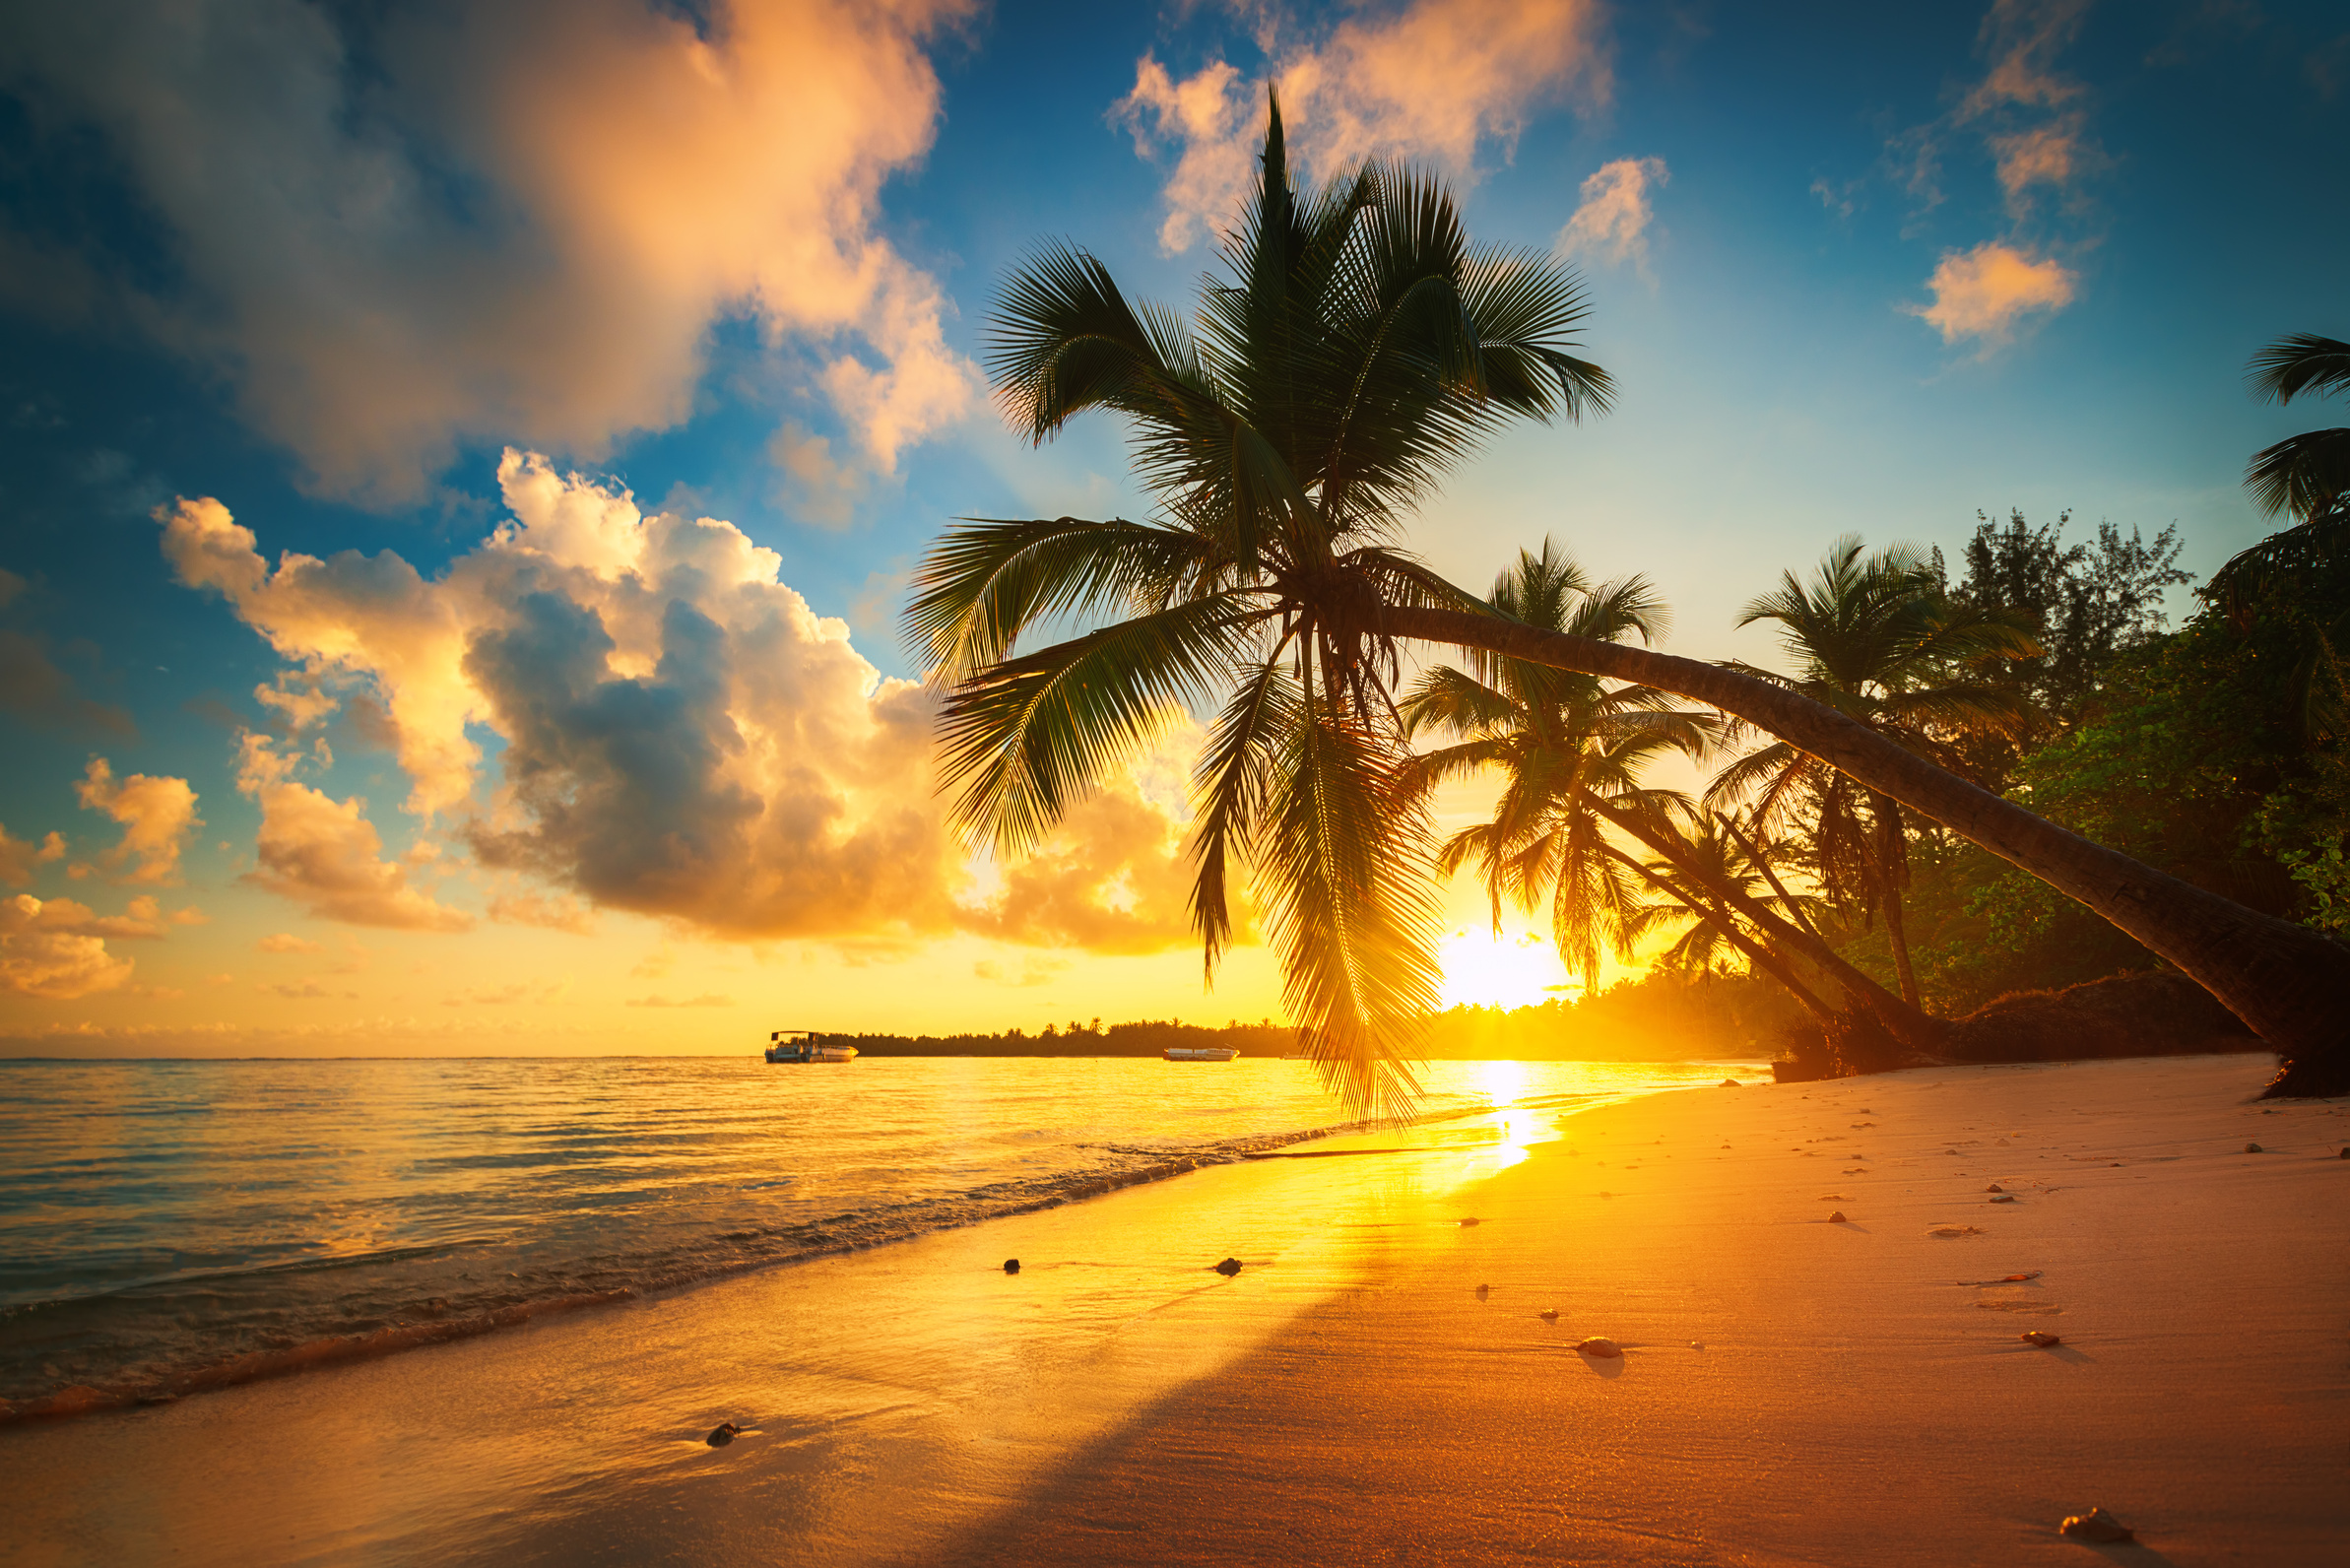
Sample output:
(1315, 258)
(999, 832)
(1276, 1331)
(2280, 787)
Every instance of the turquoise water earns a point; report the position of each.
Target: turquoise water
(171, 1225)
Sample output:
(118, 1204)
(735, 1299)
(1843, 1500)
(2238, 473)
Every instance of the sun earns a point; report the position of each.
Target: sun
(1509, 971)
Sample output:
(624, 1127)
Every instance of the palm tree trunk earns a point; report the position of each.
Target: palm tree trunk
(1727, 923)
(1754, 853)
(1905, 1023)
(2285, 981)
(1892, 867)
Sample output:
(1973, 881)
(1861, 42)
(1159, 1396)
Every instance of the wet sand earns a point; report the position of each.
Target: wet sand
(1350, 1398)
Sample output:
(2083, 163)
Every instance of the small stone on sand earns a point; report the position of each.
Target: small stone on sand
(1228, 1267)
(2251, 1148)
(722, 1434)
(2043, 1340)
(1952, 1231)
(1548, 1314)
(2095, 1524)
(1012, 1265)
(1837, 1218)
(1994, 1186)
(1599, 1345)
(1470, 1220)
(1730, 1084)
(1483, 1292)
(2346, 1152)
(2005, 1198)
(1697, 1344)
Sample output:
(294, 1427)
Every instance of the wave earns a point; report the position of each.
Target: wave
(444, 1319)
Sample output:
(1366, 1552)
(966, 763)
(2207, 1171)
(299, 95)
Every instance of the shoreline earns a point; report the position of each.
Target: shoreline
(1347, 1397)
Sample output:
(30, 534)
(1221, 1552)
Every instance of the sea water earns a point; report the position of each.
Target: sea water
(166, 1226)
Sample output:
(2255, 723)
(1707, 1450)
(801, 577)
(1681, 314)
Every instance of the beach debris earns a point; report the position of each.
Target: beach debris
(1994, 1186)
(1864, 1111)
(1483, 1292)
(1837, 1218)
(1601, 1346)
(2095, 1524)
(1951, 1232)
(2005, 1198)
(2008, 1280)
(1228, 1267)
(1730, 1084)
(1012, 1265)
(1697, 1344)
(2346, 1152)
(2251, 1148)
(722, 1434)
(1470, 1220)
(2040, 1337)
(1548, 1314)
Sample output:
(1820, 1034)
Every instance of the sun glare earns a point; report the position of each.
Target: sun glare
(1510, 972)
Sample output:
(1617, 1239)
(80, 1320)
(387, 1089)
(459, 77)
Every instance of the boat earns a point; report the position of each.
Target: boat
(1199, 1053)
(799, 1045)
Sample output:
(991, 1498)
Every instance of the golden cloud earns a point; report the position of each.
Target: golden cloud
(156, 813)
(1985, 293)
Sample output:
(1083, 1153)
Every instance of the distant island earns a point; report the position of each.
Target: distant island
(1659, 1018)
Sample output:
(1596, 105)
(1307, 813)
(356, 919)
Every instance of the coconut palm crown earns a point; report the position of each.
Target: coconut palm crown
(1357, 346)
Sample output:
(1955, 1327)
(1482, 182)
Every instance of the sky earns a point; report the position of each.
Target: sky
(466, 461)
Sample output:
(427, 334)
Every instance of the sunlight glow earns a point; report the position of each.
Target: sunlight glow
(1510, 972)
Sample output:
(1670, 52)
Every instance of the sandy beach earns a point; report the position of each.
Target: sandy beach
(1791, 1390)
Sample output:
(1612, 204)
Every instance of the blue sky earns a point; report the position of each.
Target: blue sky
(1854, 267)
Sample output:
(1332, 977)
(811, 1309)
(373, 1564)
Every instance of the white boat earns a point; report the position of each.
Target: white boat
(1199, 1053)
(799, 1045)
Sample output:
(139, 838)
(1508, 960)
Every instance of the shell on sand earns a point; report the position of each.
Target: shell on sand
(2036, 1337)
(2095, 1524)
(2005, 1198)
(1599, 1345)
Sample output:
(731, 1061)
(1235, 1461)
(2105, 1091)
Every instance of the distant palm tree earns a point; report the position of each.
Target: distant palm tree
(1873, 636)
(1712, 844)
(1571, 751)
(1358, 346)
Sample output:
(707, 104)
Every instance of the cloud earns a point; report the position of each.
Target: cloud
(34, 689)
(683, 736)
(156, 813)
(1984, 293)
(533, 991)
(708, 998)
(287, 942)
(1431, 83)
(403, 231)
(1611, 224)
(325, 855)
(536, 909)
(1114, 881)
(21, 859)
(47, 950)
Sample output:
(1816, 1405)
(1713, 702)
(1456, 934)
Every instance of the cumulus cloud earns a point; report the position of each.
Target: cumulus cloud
(325, 855)
(1430, 81)
(536, 909)
(156, 813)
(21, 859)
(401, 230)
(1611, 223)
(684, 736)
(47, 949)
(1983, 294)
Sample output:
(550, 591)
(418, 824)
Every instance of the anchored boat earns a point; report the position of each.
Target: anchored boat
(1199, 1053)
(799, 1045)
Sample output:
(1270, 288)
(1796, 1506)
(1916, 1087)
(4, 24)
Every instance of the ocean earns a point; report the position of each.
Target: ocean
(170, 1226)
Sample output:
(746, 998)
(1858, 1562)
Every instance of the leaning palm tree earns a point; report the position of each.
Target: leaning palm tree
(1357, 347)
(1710, 934)
(1871, 636)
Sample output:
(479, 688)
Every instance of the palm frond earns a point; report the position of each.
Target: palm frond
(2300, 362)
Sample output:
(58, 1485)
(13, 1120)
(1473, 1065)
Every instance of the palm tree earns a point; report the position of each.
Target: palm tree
(1872, 636)
(1571, 752)
(1358, 348)
(1715, 843)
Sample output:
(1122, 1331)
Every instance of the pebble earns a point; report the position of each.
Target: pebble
(2041, 1339)
(1470, 1220)
(1228, 1267)
(1994, 1186)
(2251, 1148)
(1599, 1345)
(2095, 1524)
(1483, 1292)
(1012, 1265)
(1730, 1084)
(722, 1434)
(1837, 1218)
(1697, 1344)
(2005, 1198)
(2346, 1152)
(1548, 1314)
